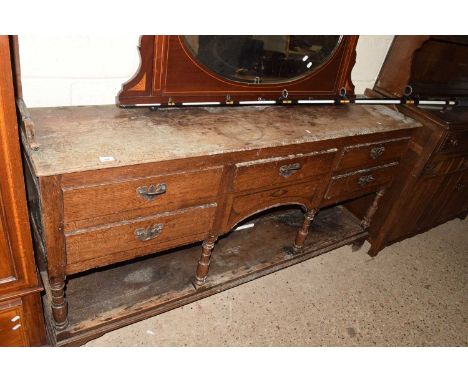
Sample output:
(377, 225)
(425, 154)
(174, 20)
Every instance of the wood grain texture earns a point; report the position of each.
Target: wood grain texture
(277, 171)
(360, 182)
(455, 142)
(12, 190)
(156, 284)
(19, 284)
(372, 154)
(306, 194)
(429, 189)
(396, 71)
(121, 241)
(7, 263)
(207, 170)
(173, 74)
(51, 200)
(98, 211)
(70, 141)
(182, 190)
(12, 327)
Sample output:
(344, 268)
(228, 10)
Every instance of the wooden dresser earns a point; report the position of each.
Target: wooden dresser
(21, 320)
(108, 185)
(433, 186)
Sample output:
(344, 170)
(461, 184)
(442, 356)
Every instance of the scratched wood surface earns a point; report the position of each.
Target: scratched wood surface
(161, 282)
(74, 138)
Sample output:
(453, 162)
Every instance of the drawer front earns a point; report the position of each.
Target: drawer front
(360, 182)
(275, 171)
(455, 142)
(137, 237)
(148, 195)
(456, 196)
(12, 330)
(372, 154)
(445, 166)
(306, 193)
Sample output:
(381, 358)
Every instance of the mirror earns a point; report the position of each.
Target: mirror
(262, 59)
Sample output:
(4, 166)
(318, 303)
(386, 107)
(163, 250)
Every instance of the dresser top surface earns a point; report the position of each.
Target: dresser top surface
(81, 138)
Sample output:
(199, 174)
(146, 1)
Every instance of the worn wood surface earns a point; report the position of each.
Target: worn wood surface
(396, 71)
(430, 188)
(306, 194)
(360, 182)
(276, 171)
(240, 160)
(371, 155)
(105, 244)
(162, 282)
(82, 205)
(72, 139)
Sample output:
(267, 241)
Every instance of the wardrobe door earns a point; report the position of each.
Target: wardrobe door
(21, 319)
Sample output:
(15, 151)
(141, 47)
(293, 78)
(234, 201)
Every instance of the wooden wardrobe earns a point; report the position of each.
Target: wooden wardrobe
(21, 318)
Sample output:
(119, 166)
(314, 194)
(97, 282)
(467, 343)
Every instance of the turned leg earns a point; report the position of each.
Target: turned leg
(204, 262)
(59, 303)
(366, 220)
(357, 245)
(303, 231)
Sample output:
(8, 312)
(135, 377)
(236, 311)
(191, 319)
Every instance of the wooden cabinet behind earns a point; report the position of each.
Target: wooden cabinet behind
(21, 320)
(432, 187)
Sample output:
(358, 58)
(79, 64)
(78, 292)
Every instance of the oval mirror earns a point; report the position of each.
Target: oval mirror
(262, 59)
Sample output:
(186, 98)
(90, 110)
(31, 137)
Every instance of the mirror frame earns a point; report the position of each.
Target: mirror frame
(170, 75)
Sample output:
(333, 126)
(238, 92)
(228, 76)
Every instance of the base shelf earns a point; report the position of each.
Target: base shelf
(109, 298)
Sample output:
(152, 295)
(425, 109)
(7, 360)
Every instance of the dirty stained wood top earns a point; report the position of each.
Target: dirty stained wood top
(74, 138)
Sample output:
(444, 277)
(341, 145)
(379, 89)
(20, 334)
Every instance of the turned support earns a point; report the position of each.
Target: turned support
(366, 220)
(204, 262)
(59, 303)
(303, 231)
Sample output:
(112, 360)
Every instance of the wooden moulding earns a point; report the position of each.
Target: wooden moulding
(168, 73)
(161, 282)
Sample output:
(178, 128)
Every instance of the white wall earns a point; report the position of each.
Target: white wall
(86, 70)
(371, 52)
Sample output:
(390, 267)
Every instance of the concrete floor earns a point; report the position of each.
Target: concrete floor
(414, 293)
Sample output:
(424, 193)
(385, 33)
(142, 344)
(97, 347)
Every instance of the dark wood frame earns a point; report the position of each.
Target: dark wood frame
(19, 283)
(169, 74)
(428, 180)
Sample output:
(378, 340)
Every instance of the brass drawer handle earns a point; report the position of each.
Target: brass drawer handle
(151, 192)
(145, 234)
(289, 169)
(459, 186)
(366, 179)
(453, 142)
(376, 152)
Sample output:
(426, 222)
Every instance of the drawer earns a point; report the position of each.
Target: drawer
(360, 182)
(275, 171)
(455, 142)
(145, 195)
(12, 330)
(444, 166)
(371, 154)
(306, 193)
(116, 242)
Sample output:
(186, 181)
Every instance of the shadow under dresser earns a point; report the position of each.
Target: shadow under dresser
(107, 185)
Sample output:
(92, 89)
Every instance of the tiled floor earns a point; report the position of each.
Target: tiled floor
(414, 293)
